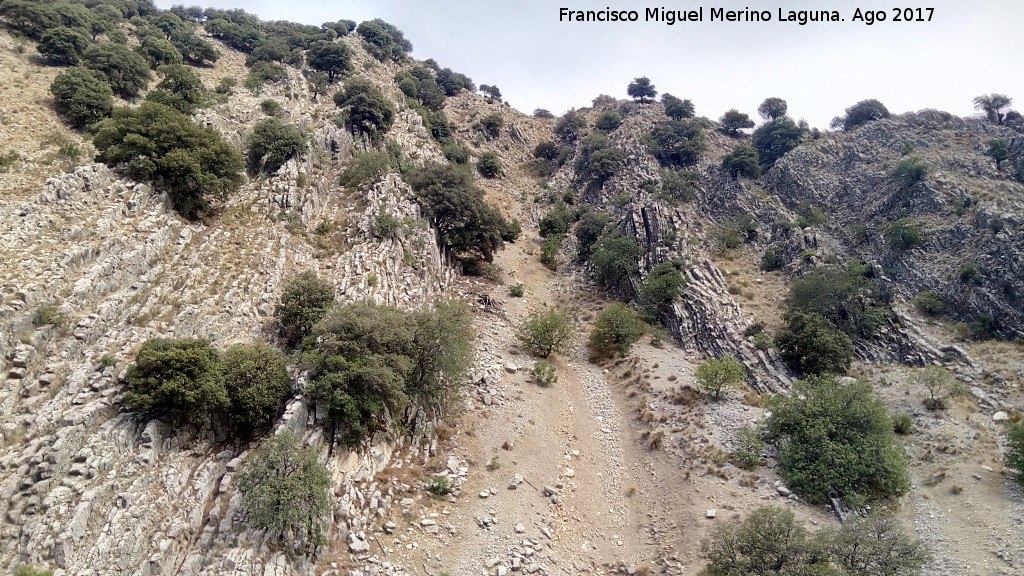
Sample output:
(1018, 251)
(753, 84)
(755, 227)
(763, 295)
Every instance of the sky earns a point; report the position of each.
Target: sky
(820, 68)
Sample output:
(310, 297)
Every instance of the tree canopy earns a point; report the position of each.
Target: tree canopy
(641, 89)
(993, 105)
(330, 57)
(775, 138)
(369, 112)
(127, 72)
(81, 97)
(271, 144)
(772, 108)
(384, 41)
(733, 121)
(184, 377)
(863, 112)
(677, 109)
(676, 144)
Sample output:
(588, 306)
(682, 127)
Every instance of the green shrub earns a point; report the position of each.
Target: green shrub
(903, 234)
(182, 376)
(771, 260)
(544, 373)
(181, 89)
(589, 230)
(516, 290)
(386, 226)
(902, 424)
(7, 159)
(332, 58)
(749, 447)
(614, 258)
(908, 172)
(304, 302)
(940, 384)
(733, 121)
(929, 302)
(491, 125)
(62, 46)
(285, 490)
(257, 383)
(81, 97)
(50, 315)
(837, 437)
(126, 71)
(678, 185)
(742, 160)
(597, 160)
(676, 144)
(511, 231)
(616, 328)
(557, 221)
(861, 113)
(108, 360)
(26, 570)
(549, 250)
(226, 86)
(660, 288)
(608, 121)
(159, 52)
(1015, 450)
(847, 297)
(810, 344)
(717, 374)
(810, 215)
(383, 41)
(366, 168)
(775, 138)
(998, 150)
(368, 111)
(570, 126)
(271, 107)
(489, 165)
(262, 72)
(677, 109)
(542, 333)
(439, 486)
(192, 162)
(271, 144)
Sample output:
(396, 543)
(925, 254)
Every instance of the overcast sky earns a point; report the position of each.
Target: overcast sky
(821, 68)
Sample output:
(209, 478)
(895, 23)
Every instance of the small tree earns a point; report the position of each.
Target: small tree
(181, 89)
(271, 144)
(570, 126)
(491, 125)
(184, 377)
(906, 173)
(330, 57)
(304, 302)
(768, 542)
(285, 490)
(733, 121)
(742, 160)
(716, 374)
(614, 258)
(677, 109)
(1015, 450)
(62, 46)
(993, 105)
(874, 546)
(903, 234)
(775, 138)
(81, 98)
(863, 112)
(810, 344)
(998, 150)
(641, 89)
(126, 71)
(772, 108)
(545, 332)
(940, 384)
(676, 144)
(369, 112)
(616, 329)
(489, 165)
(257, 382)
(491, 91)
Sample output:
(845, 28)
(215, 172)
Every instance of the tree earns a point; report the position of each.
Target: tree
(384, 41)
(810, 344)
(993, 105)
(677, 109)
(641, 89)
(317, 84)
(903, 234)
(181, 89)
(733, 121)
(874, 546)
(330, 57)
(772, 108)
(184, 377)
(775, 138)
(716, 374)
(999, 150)
(491, 91)
(676, 144)
(742, 160)
(271, 144)
(767, 542)
(195, 50)
(940, 384)
(257, 382)
(81, 98)
(192, 162)
(545, 332)
(304, 302)
(597, 160)
(285, 490)
(491, 125)
(489, 165)
(661, 287)
(452, 82)
(62, 46)
(29, 17)
(616, 328)
(159, 52)
(906, 173)
(614, 258)
(863, 112)
(835, 436)
(126, 71)
(369, 112)
(1015, 450)
(570, 126)
(608, 121)
(850, 298)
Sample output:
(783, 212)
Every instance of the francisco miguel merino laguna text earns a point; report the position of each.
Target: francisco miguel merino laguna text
(800, 17)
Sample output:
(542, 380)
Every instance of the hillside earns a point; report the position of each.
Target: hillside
(902, 233)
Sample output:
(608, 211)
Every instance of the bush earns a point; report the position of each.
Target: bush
(715, 375)
(661, 287)
(271, 107)
(556, 221)
(677, 109)
(184, 377)
(589, 229)
(26, 570)
(872, 546)
(742, 160)
(999, 150)
(616, 328)
(733, 121)
(902, 424)
(608, 121)
(543, 113)
(676, 144)
(837, 437)
(271, 144)
(750, 445)
(511, 231)
(226, 86)
(368, 111)
(159, 52)
(940, 384)
(544, 373)
(771, 260)
(181, 89)
(489, 165)
(62, 46)
(366, 168)
(257, 383)
(1015, 450)
(190, 161)
(596, 160)
(304, 302)
(386, 226)
(333, 58)
(908, 172)
(7, 159)
(81, 98)
(848, 298)
(545, 332)
(285, 490)
(549, 250)
(384, 41)
(262, 72)
(903, 234)
(440, 486)
(126, 71)
(195, 50)
(50, 315)
(516, 290)
(678, 185)
(928, 302)
(775, 138)
(491, 125)
(614, 258)
(570, 126)
(810, 344)
(863, 112)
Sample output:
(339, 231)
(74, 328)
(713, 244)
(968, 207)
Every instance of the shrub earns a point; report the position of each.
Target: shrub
(262, 72)
(159, 52)
(616, 328)
(906, 173)
(544, 373)
(257, 383)
(614, 258)
(489, 165)
(333, 58)
(742, 160)
(226, 85)
(195, 50)
(439, 486)
(126, 71)
(452, 82)
(750, 445)
(546, 150)
(771, 260)
(848, 298)
(516, 290)
(549, 249)
(775, 138)
(836, 437)
(810, 344)
(182, 376)
(271, 107)
(542, 333)
(902, 424)
(928, 302)
(608, 121)
(181, 89)
(543, 113)
(678, 185)
(50, 315)
(62, 46)
(7, 159)
(384, 41)
(675, 108)
(556, 221)
(491, 125)
(993, 105)
(903, 234)
(81, 98)
(1015, 450)
(872, 546)
(589, 229)
(768, 542)
(26, 570)
(285, 490)
(271, 144)
(366, 168)
(676, 144)
(733, 121)
(386, 226)
(940, 384)
(999, 150)
(596, 160)
(304, 302)
(661, 287)
(772, 108)
(570, 126)
(369, 112)
(863, 112)
(511, 231)
(715, 375)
